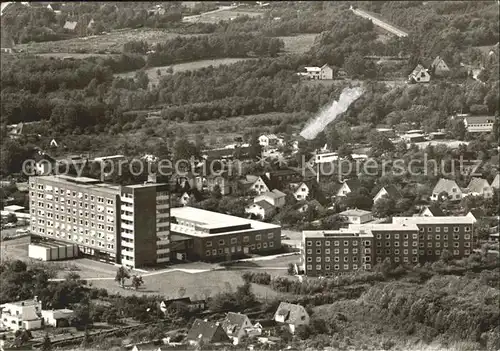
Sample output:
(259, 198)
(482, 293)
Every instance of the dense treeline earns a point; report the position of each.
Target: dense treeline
(182, 49)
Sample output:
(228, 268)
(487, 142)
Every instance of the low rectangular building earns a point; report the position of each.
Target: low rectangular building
(52, 251)
(21, 315)
(479, 124)
(198, 234)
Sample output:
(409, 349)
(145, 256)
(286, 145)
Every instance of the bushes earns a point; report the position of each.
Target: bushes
(261, 278)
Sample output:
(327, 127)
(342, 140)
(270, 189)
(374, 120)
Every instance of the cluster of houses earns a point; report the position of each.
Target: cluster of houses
(237, 327)
(448, 189)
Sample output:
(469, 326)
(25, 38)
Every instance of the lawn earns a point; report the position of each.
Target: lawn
(108, 43)
(298, 44)
(196, 285)
(181, 67)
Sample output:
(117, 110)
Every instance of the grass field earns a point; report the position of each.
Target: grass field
(196, 285)
(220, 15)
(298, 44)
(181, 67)
(108, 43)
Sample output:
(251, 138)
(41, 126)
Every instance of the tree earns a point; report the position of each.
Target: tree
(46, 343)
(121, 275)
(11, 218)
(445, 256)
(384, 207)
(137, 281)
(255, 147)
(181, 292)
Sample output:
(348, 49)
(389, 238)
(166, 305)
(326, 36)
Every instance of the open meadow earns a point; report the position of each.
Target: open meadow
(181, 67)
(298, 44)
(110, 43)
(220, 15)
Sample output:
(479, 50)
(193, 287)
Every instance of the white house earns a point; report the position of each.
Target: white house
(357, 216)
(495, 184)
(479, 124)
(449, 187)
(21, 315)
(235, 326)
(56, 318)
(326, 72)
(275, 198)
(389, 191)
(313, 72)
(300, 191)
(267, 140)
(292, 315)
(258, 185)
(420, 75)
(262, 209)
(430, 211)
(348, 186)
(479, 187)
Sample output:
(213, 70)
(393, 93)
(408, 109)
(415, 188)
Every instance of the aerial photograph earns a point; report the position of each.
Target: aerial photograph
(250, 175)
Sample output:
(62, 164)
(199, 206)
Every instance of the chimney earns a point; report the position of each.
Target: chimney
(35, 298)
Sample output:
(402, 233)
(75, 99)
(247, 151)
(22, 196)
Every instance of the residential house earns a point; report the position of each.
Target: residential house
(495, 184)
(356, 216)
(259, 184)
(274, 197)
(261, 209)
(209, 183)
(186, 303)
(53, 143)
(15, 130)
(206, 332)
(235, 326)
(281, 178)
(21, 315)
(292, 315)
(190, 196)
(437, 135)
(413, 138)
(303, 206)
(448, 187)
(55, 7)
(148, 346)
(44, 164)
(323, 72)
(479, 124)
(479, 187)
(70, 25)
(431, 211)
(267, 140)
(348, 186)
(476, 214)
(439, 67)
(308, 190)
(57, 318)
(389, 191)
(419, 75)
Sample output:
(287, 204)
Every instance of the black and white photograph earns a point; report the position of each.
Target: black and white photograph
(249, 175)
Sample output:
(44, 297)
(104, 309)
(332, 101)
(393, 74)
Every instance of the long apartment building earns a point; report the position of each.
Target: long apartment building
(407, 240)
(129, 225)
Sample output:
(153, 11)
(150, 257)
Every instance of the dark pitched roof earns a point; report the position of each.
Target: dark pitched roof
(204, 330)
(477, 213)
(393, 192)
(233, 322)
(435, 210)
(354, 184)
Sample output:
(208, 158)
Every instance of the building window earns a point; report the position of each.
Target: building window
(309, 243)
(467, 229)
(258, 246)
(346, 251)
(336, 243)
(214, 252)
(388, 236)
(309, 267)
(327, 243)
(327, 251)
(234, 240)
(318, 243)
(445, 229)
(379, 236)
(354, 243)
(318, 267)
(456, 229)
(318, 259)
(336, 259)
(346, 267)
(396, 259)
(327, 259)
(270, 235)
(318, 251)
(309, 259)
(257, 237)
(309, 251)
(415, 236)
(271, 244)
(208, 253)
(327, 267)
(395, 244)
(456, 252)
(396, 251)
(467, 236)
(396, 236)
(221, 242)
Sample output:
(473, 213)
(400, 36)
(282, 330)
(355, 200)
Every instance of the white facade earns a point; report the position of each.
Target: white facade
(260, 186)
(21, 315)
(50, 317)
(301, 192)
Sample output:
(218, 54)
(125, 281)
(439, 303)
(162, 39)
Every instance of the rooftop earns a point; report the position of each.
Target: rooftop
(25, 303)
(403, 226)
(334, 233)
(144, 185)
(354, 212)
(213, 220)
(433, 220)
